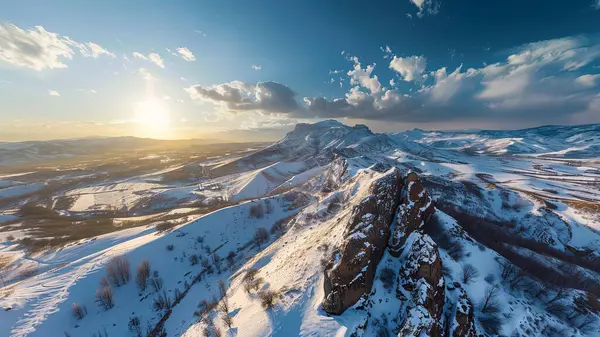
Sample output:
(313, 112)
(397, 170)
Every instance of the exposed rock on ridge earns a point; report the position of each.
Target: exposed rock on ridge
(416, 207)
(367, 233)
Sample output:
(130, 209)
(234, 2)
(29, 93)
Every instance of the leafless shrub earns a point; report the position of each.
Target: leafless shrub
(142, 274)
(104, 297)
(268, 206)
(135, 326)
(257, 211)
(261, 236)
(251, 281)
(231, 258)
(170, 247)
(156, 283)
(194, 259)
(117, 271)
(79, 311)
(469, 273)
(267, 298)
(162, 301)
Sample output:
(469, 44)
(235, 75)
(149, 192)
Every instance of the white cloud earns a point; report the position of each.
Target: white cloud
(156, 59)
(410, 68)
(5, 82)
(139, 56)
(362, 76)
(256, 67)
(596, 4)
(200, 32)
(97, 50)
(186, 54)
(33, 48)
(588, 80)
(534, 82)
(425, 7)
(53, 93)
(89, 91)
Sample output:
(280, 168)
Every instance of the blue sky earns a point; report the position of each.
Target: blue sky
(254, 68)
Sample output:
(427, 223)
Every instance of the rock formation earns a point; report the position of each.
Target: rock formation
(415, 209)
(367, 234)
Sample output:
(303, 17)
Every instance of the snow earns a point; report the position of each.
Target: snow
(512, 173)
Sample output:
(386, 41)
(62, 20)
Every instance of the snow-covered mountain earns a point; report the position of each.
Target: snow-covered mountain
(339, 231)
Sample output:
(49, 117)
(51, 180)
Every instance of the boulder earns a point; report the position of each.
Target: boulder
(351, 274)
(416, 207)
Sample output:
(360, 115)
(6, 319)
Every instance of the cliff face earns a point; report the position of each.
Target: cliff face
(367, 233)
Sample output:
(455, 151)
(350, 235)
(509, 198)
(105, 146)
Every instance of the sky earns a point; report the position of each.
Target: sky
(250, 70)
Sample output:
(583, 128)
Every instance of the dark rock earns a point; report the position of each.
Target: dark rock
(351, 274)
(421, 281)
(464, 322)
(415, 209)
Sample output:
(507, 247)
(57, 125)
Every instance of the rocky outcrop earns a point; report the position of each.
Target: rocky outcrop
(416, 207)
(464, 318)
(351, 275)
(421, 283)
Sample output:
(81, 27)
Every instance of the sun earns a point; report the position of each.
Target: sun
(152, 118)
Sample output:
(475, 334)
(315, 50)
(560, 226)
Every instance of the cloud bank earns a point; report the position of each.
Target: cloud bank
(552, 81)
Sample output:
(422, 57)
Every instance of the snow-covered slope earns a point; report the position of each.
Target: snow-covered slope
(420, 233)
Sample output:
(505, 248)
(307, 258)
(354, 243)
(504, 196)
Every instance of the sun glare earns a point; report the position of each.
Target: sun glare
(152, 119)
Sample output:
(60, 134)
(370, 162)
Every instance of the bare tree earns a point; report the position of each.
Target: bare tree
(490, 302)
(162, 301)
(104, 297)
(469, 272)
(142, 274)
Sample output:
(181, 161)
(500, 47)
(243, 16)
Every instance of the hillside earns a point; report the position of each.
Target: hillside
(332, 231)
